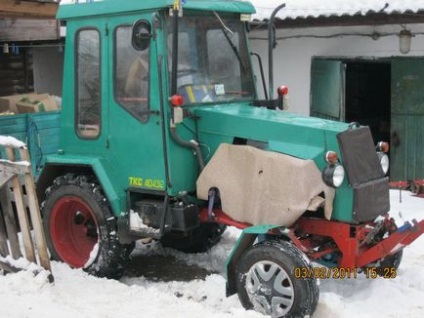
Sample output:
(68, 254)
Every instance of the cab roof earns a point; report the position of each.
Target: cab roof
(112, 7)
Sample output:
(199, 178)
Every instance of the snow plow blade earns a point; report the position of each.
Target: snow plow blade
(404, 236)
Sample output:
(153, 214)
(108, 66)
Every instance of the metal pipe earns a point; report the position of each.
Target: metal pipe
(188, 144)
(271, 45)
(174, 51)
(162, 117)
(261, 69)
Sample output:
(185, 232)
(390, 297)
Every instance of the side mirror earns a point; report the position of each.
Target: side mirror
(141, 35)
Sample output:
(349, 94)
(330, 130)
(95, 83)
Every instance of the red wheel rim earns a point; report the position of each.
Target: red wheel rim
(74, 230)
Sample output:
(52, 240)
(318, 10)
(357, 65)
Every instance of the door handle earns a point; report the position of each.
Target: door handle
(395, 139)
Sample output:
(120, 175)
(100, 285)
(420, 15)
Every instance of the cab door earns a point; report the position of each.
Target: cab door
(328, 89)
(135, 135)
(407, 119)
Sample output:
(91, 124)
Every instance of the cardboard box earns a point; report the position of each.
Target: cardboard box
(8, 103)
(35, 104)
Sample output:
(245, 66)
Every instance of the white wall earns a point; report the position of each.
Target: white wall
(293, 56)
(48, 70)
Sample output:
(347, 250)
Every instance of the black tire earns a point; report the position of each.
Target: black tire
(200, 240)
(265, 276)
(81, 229)
(389, 264)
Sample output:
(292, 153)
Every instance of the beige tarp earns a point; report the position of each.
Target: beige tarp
(261, 187)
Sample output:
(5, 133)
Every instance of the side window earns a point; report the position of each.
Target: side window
(131, 74)
(88, 93)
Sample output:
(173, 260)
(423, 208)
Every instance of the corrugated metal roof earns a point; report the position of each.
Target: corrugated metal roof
(327, 8)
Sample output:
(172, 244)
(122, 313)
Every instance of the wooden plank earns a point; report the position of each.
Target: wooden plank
(42, 9)
(4, 249)
(21, 211)
(35, 215)
(5, 176)
(14, 168)
(28, 30)
(9, 219)
(8, 268)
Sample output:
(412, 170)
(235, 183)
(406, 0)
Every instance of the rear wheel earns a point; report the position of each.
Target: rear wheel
(198, 240)
(265, 281)
(81, 229)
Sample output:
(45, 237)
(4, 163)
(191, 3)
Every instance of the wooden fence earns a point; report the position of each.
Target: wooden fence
(19, 209)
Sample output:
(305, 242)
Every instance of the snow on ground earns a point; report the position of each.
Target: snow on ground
(76, 294)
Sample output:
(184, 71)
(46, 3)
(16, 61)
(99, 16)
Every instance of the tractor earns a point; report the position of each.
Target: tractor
(163, 136)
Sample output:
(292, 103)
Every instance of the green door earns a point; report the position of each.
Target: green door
(327, 89)
(407, 129)
(135, 138)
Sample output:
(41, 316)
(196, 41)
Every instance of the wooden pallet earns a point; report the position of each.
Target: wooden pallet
(20, 211)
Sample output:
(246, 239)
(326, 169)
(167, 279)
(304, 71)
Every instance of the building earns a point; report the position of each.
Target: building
(30, 47)
(360, 61)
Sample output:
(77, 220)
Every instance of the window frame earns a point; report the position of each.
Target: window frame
(144, 117)
(77, 86)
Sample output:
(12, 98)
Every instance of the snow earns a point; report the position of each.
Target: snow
(8, 141)
(76, 294)
(325, 8)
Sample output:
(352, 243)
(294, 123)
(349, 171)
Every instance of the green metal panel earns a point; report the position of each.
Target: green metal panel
(407, 133)
(15, 126)
(284, 132)
(113, 7)
(327, 89)
(43, 130)
(40, 131)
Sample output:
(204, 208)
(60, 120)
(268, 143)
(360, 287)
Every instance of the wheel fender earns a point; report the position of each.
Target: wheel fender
(54, 168)
(245, 241)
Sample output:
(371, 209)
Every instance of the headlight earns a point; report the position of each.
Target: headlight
(333, 175)
(384, 161)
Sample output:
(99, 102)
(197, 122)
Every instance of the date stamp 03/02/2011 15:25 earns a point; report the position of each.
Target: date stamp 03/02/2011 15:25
(322, 272)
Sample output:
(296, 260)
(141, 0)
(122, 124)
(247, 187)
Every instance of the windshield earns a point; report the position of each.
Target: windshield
(213, 61)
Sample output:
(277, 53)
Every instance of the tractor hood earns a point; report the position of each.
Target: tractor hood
(288, 133)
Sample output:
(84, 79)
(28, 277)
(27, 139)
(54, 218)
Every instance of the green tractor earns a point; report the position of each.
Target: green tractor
(163, 136)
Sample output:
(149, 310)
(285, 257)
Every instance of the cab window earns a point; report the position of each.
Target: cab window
(131, 74)
(88, 92)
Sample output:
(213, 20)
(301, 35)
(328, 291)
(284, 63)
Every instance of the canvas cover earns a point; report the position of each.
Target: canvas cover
(263, 187)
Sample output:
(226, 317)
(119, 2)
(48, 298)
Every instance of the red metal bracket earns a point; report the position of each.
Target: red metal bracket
(219, 216)
(392, 244)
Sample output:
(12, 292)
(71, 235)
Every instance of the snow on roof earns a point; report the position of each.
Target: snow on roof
(8, 141)
(326, 8)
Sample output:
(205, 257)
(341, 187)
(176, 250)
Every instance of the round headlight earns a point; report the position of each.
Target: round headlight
(384, 162)
(338, 175)
(333, 175)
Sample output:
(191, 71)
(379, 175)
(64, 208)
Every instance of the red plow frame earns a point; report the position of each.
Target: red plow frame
(352, 242)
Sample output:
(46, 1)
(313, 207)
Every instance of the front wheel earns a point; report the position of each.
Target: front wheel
(81, 229)
(390, 264)
(265, 281)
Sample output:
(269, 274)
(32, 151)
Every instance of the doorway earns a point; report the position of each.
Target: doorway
(368, 96)
(384, 94)
(353, 91)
